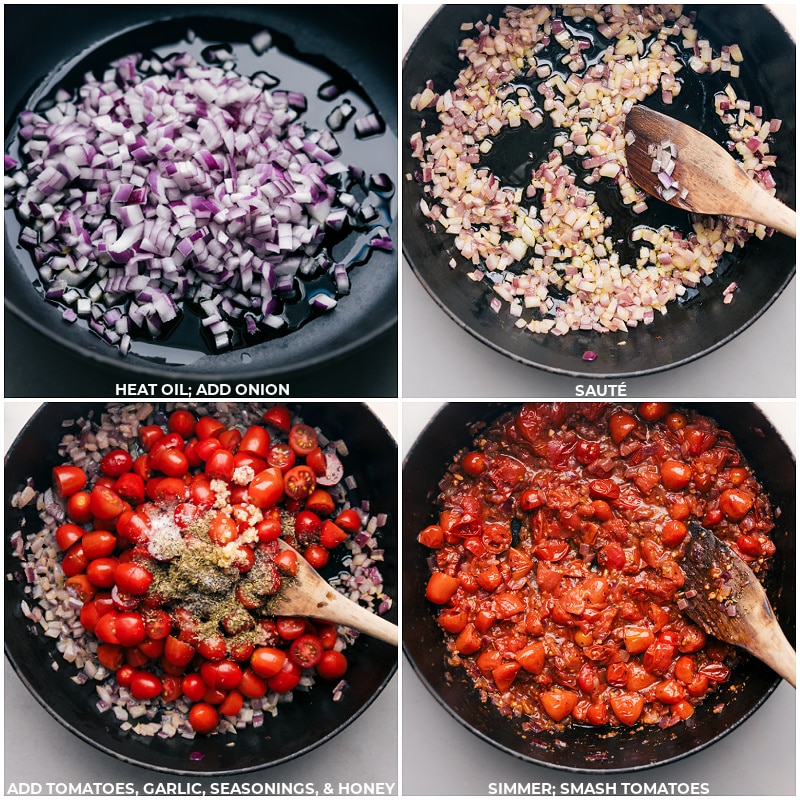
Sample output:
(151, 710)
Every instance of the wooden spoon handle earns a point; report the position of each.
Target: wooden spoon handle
(763, 207)
(344, 611)
(773, 648)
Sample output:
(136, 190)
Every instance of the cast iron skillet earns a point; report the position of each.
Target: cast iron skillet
(373, 462)
(688, 331)
(41, 39)
(584, 749)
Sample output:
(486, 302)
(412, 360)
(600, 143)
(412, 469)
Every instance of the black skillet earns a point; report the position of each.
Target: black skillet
(689, 330)
(40, 40)
(373, 463)
(583, 749)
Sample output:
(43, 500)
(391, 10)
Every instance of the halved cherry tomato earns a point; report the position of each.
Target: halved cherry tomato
(441, 588)
(303, 439)
(321, 502)
(68, 534)
(203, 717)
(207, 426)
(267, 661)
(285, 680)
(279, 417)
(290, 627)
(255, 441)
(266, 488)
(286, 561)
(133, 578)
(79, 507)
(306, 651)
(299, 482)
(116, 462)
(68, 479)
(349, 520)
(281, 456)
(97, 544)
(149, 435)
(331, 535)
(316, 555)
(106, 504)
(317, 461)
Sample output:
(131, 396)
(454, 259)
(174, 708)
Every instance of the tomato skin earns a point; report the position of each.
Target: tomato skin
(207, 426)
(205, 448)
(735, 504)
(129, 628)
(101, 572)
(532, 658)
(303, 439)
(654, 411)
(266, 488)
(149, 435)
(74, 561)
(290, 627)
(252, 686)
(267, 661)
(474, 463)
(432, 536)
(105, 503)
(307, 524)
(230, 439)
(269, 530)
(321, 502)
(222, 675)
(130, 487)
(106, 628)
(299, 482)
(97, 544)
(441, 588)
(673, 533)
(317, 460)
(172, 462)
(177, 652)
(110, 656)
(68, 479)
(182, 422)
(286, 561)
(327, 633)
(281, 456)
(116, 462)
(627, 707)
(675, 475)
(349, 520)
(68, 534)
(331, 535)
(157, 624)
(558, 703)
(332, 665)
(255, 441)
(220, 465)
(203, 717)
(620, 424)
(223, 529)
(232, 704)
(285, 680)
(316, 555)
(79, 507)
(279, 417)
(132, 578)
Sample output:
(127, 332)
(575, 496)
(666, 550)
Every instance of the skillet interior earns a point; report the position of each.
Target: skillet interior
(688, 331)
(372, 460)
(39, 43)
(581, 749)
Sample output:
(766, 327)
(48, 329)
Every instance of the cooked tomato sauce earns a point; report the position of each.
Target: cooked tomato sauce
(555, 564)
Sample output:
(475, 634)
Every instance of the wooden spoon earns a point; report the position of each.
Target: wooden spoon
(744, 617)
(711, 180)
(310, 595)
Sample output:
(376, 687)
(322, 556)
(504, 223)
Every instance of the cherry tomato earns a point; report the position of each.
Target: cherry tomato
(316, 555)
(205, 448)
(318, 461)
(735, 504)
(170, 490)
(620, 424)
(182, 422)
(116, 462)
(327, 633)
(105, 503)
(222, 675)
(332, 665)
(230, 439)
(307, 524)
(101, 572)
(68, 534)
(654, 411)
(432, 536)
(129, 628)
(172, 462)
(281, 456)
(79, 507)
(232, 704)
(267, 661)
(441, 588)
(290, 627)
(130, 487)
(285, 680)
(252, 685)
(110, 656)
(474, 463)
(213, 648)
(269, 529)
(331, 535)
(279, 417)
(220, 465)
(132, 578)
(200, 493)
(321, 502)
(82, 587)
(627, 707)
(266, 488)
(157, 624)
(193, 687)
(255, 441)
(223, 529)
(349, 520)
(97, 544)
(149, 435)
(74, 561)
(306, 650)
(68, 479)
(203, 717)
(303, 439)
(673, 532)
(675, 475)
(558, 703)
(299, 482)
(177, 652)
(106, 628)
(207, 426)
(286, 561)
